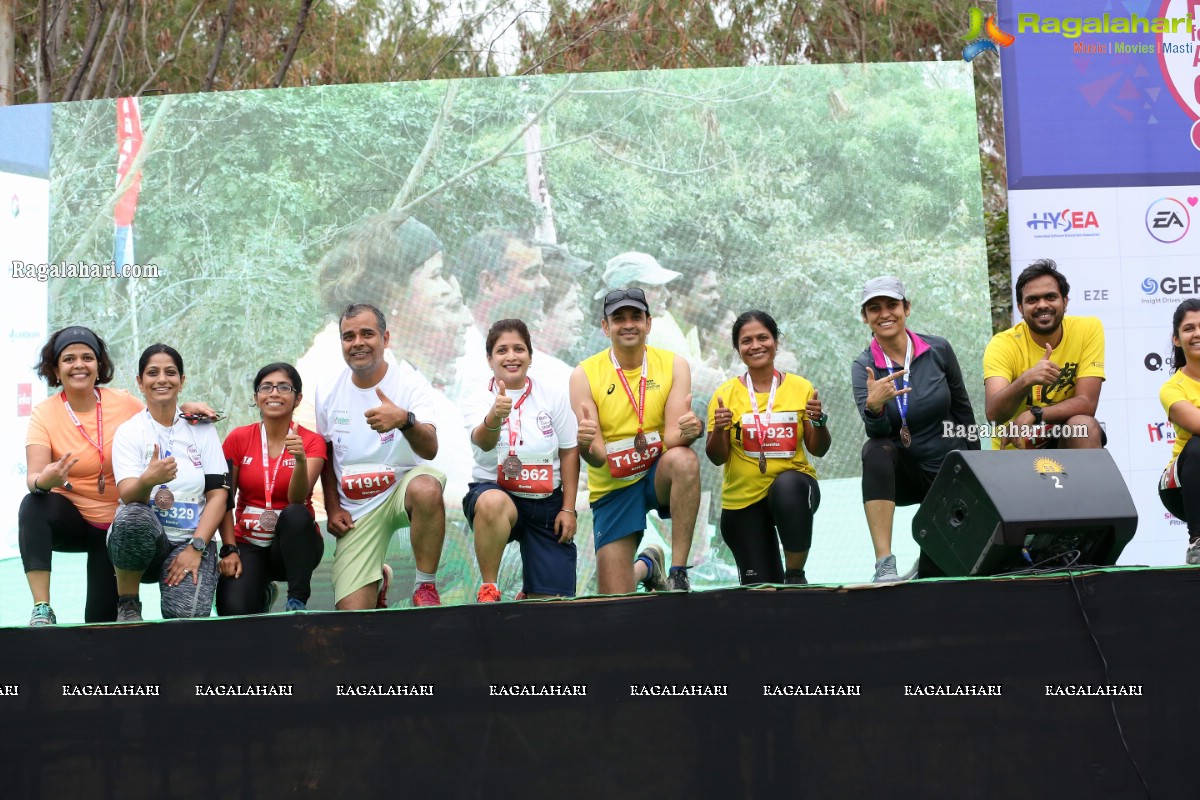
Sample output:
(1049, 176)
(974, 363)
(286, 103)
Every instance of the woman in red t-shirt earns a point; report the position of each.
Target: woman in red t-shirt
(272, 533)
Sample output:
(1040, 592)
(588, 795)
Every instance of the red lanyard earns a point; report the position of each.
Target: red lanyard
(99, 428)
(269, 481)
(518, 432)
(639, 406)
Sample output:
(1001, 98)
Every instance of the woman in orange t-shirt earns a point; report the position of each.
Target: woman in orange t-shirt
(68, 456)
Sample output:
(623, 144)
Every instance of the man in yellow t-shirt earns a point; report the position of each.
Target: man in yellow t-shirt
(1042, 377)
(636, 428)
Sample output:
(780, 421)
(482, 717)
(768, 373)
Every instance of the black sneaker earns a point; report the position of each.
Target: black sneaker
(677, 580)
(129, 609)
(795, 577)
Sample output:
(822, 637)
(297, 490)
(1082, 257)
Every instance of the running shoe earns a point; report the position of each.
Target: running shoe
(885, 570)
(488, 593)
(678, 581)
(129, 609)
(427, 595)
(520, 595)
(270, 595)
(42, 615)
(294, 604)
(655, 580)
(384, 584)
(1193, 557)
(795, 577)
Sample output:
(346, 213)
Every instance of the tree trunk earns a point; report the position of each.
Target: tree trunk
(115, 22)
(293, 43)
(95, 20)
(226, 19)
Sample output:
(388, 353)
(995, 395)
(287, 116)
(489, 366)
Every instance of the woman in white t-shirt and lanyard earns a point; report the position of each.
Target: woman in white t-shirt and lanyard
(173, 487)
(526, 470)
(273, 465)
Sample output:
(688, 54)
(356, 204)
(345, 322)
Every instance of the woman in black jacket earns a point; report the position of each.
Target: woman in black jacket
(910, 393)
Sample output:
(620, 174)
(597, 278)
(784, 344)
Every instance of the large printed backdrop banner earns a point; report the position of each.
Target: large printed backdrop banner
(1103, 170)
(789, 186)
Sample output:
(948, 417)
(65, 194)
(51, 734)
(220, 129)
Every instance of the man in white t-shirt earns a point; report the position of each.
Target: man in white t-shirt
(376, 479)
(501, 275)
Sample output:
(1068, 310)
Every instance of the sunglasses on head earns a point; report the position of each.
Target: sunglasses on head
(624, 294)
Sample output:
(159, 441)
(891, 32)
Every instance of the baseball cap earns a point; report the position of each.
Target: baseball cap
(634, 267)
(625, 298)
(884, 286)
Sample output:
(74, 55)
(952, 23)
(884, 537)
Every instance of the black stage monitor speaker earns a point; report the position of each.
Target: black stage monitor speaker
(992, 512)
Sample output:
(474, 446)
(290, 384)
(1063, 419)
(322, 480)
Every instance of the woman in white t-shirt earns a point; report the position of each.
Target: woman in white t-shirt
(526, 473)
(172, 480)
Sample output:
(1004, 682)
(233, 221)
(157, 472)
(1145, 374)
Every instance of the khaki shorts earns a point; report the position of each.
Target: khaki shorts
(358, 557)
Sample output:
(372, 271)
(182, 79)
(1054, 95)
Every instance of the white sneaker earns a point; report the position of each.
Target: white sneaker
(1193, 553)
(885, 570)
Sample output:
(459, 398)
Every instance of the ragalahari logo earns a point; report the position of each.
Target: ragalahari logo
(984, 35)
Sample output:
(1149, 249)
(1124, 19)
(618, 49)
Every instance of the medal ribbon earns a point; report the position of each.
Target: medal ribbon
(99, 426)
(162, 452)
(269, 481)
(513, 435)
(901, 399)
(639, 408)
(776, 379)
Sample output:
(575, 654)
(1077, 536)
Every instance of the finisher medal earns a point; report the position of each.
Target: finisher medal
(267, 520)
(762, 462)
(905, 436)
(164, 499)
(100, 484)
(639, 442)
(511, 467)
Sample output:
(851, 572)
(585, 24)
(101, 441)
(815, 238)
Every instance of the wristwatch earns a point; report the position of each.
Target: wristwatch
(198, 544)
(226, 549)
(820, 421)
(1037, 414)
(409, 421)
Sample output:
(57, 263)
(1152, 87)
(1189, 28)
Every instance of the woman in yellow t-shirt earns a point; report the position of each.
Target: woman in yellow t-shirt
(1179, 487)
(760, 424)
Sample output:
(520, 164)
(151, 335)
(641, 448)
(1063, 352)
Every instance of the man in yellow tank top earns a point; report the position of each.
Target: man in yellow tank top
(636, 428)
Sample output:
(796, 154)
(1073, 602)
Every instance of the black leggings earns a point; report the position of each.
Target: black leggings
(890, 473)
(50, 522)
(1184, 500)
(292, 556)
(750, 532)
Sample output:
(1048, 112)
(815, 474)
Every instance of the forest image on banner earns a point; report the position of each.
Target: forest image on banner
(792, 185)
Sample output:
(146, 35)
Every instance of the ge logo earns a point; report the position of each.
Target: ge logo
(1149, 286)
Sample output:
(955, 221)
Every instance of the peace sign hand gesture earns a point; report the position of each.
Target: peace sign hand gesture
(883, 391)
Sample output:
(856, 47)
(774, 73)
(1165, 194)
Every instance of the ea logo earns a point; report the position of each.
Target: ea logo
(1167, 220)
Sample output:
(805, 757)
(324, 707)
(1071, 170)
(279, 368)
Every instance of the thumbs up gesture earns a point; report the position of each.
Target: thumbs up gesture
(387, 416)
(502, 407)
(587, 430)
(813, 407)
(722, 417)
(689, 424)
(159, 470)
(1044, 372)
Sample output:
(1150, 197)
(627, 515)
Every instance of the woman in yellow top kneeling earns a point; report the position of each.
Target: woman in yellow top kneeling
(760, 425)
